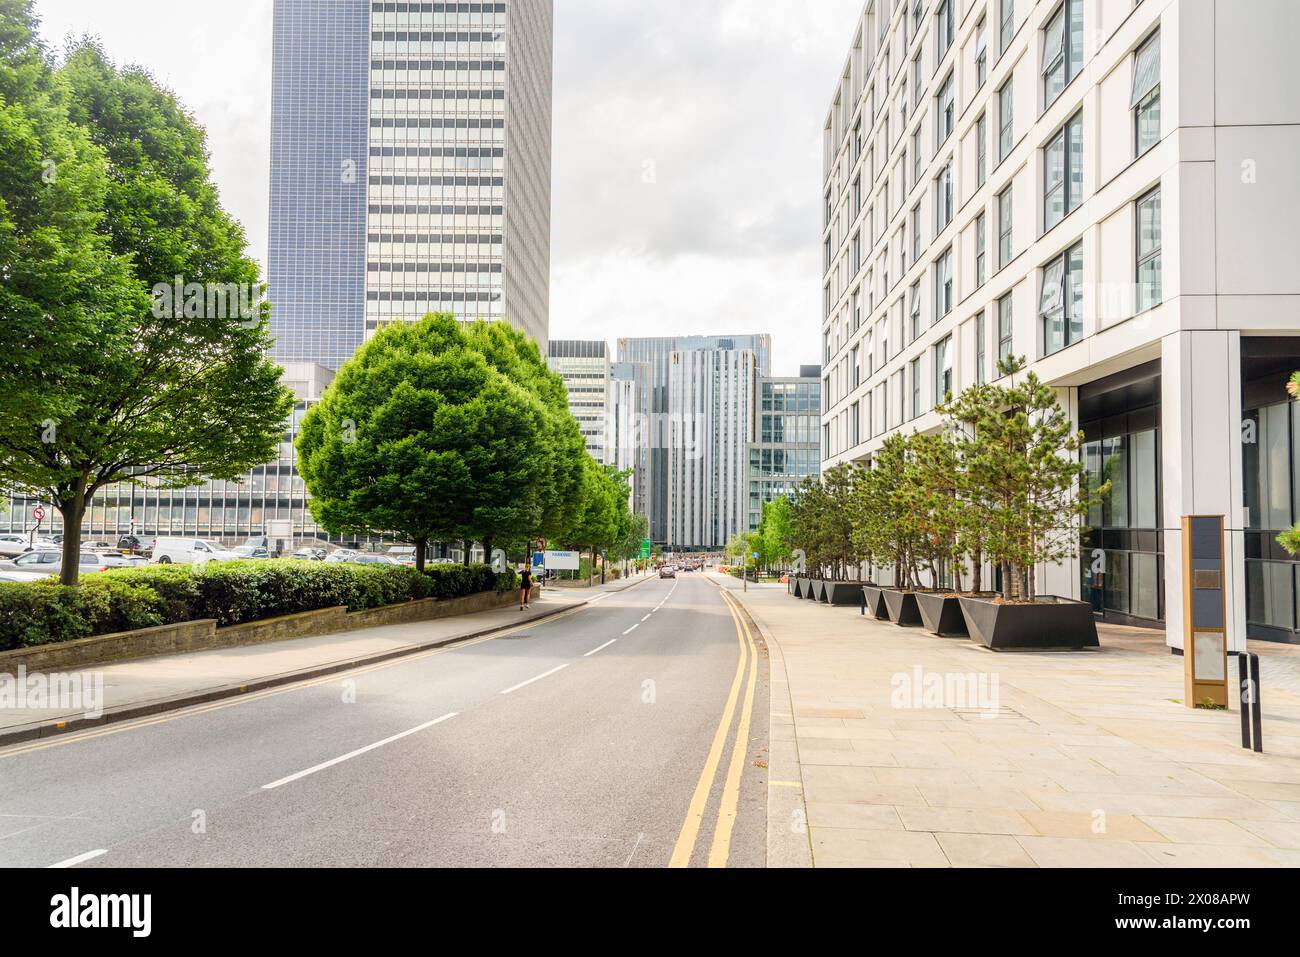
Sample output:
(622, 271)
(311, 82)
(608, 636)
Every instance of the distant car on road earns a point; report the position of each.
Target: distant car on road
(667, 571)
(190, 551)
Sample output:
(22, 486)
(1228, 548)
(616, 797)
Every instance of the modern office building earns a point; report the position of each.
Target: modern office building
(410, 168)
(787, 446)
(271, 496)
(583, 364)
(1106, 188)
(626, 429)
(650, 363)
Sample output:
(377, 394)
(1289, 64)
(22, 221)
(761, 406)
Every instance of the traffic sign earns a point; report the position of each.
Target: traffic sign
(38, 513)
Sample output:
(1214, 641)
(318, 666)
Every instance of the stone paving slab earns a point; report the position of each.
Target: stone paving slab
(1076, 760)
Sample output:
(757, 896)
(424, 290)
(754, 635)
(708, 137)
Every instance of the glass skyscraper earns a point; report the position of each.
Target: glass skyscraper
(410, 168)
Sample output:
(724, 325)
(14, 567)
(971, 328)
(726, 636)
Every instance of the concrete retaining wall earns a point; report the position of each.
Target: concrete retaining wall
(205, 635)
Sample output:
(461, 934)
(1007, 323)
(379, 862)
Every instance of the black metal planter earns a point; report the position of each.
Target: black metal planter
(818, 590)
(903, 609)
(843, 593)
(941, 615)
(1047, 624)
(797, 586)
(875, 602)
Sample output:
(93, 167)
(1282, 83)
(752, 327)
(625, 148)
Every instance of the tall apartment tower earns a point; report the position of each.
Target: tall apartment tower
(664, 401)
(410, 168)
(1104, 188)
(583, 364)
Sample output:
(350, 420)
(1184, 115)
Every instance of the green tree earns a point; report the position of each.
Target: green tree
(555, 495)
(602, 517)
(421, 437)
(122, 385)
(1025, 468)
(776, 532)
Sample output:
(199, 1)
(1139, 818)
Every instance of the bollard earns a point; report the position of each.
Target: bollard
(1252, 709)
(1258, 706)
(1244, 696)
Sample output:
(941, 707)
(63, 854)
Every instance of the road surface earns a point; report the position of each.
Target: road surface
(605, 737)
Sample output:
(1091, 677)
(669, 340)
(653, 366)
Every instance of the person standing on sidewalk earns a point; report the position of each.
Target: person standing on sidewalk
(525, 588)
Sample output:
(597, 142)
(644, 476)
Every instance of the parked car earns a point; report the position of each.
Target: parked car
(190, 551)
(403, 555)
(45, 562)
(96, 546)
(309, 555)
(115, 559)
(252, 552)
(372, 560)
(13, 544)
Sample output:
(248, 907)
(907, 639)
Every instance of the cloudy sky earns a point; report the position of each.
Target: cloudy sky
(687, 164)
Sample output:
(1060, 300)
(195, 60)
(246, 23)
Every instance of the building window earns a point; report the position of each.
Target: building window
(942, 370)
(1006, 24)
(914, 314)
(1148, 252)
(981, 56)
(914, 369)
(855, 426)
(857, 141)
(1004, 328)
(943, 285)
(943, 198)
(1062, 49)
(1146, 94)
(1063, 172)
(918, 14)
(979, 349)
(981, 149)
(917, 154)
(946, 27)
(857, 252)
(1061, 305)
(918, 78)
(944, 115)
(1006, 131)
(857, 369)
(980, 271)
(916, 233)
(1004, 228)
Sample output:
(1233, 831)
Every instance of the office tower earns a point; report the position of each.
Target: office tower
(410, 168)
(787, 446)
(658, 473)
(1100, 189)
(584, 366)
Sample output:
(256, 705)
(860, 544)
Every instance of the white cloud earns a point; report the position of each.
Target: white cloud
(720, 104)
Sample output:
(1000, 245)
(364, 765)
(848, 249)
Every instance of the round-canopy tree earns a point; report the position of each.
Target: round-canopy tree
(420, 436)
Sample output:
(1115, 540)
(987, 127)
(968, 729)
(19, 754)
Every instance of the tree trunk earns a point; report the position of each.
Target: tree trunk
(421, 547)
(469, 552)
(977, 560)
(73, 510)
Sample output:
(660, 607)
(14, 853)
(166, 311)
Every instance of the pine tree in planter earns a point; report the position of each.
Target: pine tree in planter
(1023, 467)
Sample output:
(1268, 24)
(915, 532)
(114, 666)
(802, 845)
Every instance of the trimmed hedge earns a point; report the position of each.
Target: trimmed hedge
(45, 612)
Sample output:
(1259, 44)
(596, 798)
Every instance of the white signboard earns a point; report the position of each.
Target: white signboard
(563, 561)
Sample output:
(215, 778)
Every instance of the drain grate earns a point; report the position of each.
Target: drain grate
(988, 714)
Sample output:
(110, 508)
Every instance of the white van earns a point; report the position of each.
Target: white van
(190, 551)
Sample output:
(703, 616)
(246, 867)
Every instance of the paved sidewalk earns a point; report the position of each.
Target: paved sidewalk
(171, 681)
(1089, 759)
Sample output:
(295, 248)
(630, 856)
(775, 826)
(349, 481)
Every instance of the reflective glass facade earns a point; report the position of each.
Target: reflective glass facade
(787, 449)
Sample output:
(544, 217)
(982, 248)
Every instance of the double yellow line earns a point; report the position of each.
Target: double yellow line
(720, 849)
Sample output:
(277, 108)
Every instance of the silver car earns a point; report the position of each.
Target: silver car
(45, 562)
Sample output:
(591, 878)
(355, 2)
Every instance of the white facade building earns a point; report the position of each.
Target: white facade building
(712, 396)
(583, 364)
(1107, 188)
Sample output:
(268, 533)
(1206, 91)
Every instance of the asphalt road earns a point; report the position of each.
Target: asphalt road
(605, 737)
